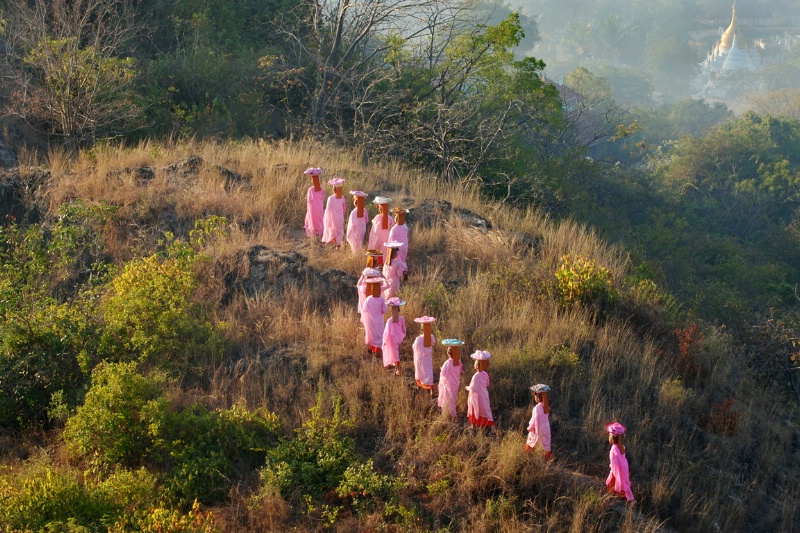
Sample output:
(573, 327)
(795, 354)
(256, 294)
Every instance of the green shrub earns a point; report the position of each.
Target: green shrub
(201, 450)
(583, 281)
(43, 352)
(41, 497)
(314, 461)
(159, 519)
(113, 426)
(149, 315)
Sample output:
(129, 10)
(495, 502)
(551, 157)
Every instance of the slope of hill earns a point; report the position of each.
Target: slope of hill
(268, 326)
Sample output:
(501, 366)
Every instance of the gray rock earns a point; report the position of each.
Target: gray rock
(260, 270)
(430, 213)
(23, 197)
(8, 159)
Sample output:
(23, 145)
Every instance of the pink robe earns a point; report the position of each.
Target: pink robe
(372, 318)
(393, 335)
(399, 233)
(539, 428)
(393, 274)
(478, 410)
(356, 229)
(619, 475)
(449, 383)
(423, 360)
(314, 208)
(361, 287)
(334, 220)
(378, 235)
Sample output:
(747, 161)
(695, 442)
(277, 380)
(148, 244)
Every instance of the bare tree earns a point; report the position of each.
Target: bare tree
(70, 75)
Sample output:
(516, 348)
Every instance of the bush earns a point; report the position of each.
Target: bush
(201, 450)
(149, 313)
(41, 497)
(159, 519)
(582, 281)
(43, 352)
(113, 425)
(314, 461)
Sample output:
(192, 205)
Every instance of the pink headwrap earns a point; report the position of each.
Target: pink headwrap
(615, 428)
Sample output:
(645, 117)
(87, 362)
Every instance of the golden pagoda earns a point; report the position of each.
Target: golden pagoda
(726, 41)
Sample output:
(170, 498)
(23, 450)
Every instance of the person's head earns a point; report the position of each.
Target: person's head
(538, 397)
(399, 215)
(615, 432)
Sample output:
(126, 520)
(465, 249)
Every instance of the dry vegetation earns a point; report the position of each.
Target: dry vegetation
(690, 471)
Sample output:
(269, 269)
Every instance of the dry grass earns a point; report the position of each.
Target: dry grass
(491, 289)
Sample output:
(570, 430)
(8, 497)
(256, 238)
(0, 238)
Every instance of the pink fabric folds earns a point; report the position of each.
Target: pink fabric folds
(333, 224)
(356, 229)
(393, 274)
(315, 200)
(393, 335)
(449, 383)
(423, 360)
(539, 428)
(478, 410)
(619, 476)
(399, 233)
(372, 318)
(378, 235)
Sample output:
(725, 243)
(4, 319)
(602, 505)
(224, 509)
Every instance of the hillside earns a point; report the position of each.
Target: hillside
(223, 363)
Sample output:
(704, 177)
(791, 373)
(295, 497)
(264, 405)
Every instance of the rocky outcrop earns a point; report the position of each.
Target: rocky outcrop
(23, 197)
(260, 270)
(430, 213)
(8, 159)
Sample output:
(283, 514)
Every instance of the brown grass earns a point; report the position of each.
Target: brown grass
(492, 290)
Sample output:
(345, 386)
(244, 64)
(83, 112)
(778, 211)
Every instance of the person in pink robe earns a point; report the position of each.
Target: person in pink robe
(399, 232)
(450, 377)
(394, 268)
(381, 224)
(357, 222)
(423, 354)
(393, 335)
(333, 226)
(361, 285)
(539, 424)
(372, 316)
(479, 411)
(618, 481)
(315, 205)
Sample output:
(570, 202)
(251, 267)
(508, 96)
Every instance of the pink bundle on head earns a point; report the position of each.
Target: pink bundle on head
(395, 301)
(313, 171)
(481, 355)
(371, 273)
(615, 428)
(425, 320)
(360, 194)
(336, 182)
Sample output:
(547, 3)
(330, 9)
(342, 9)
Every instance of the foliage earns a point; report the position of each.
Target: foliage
(202, 451)
(315, 461)
(367, 487)
(128, 420)
(583, 281)
(72, 75)
(159, 519)
(113, 426)
(44, 498)
(47, 346)
(149, 314)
